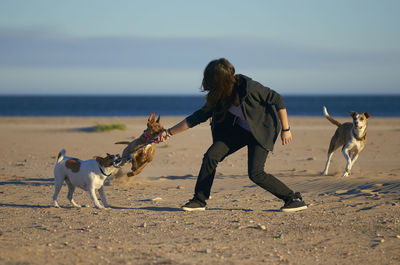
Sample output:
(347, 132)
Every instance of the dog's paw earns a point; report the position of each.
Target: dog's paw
(345, 174)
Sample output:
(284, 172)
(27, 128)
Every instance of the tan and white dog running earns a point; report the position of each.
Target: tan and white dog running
(88, 175)
(351, 135)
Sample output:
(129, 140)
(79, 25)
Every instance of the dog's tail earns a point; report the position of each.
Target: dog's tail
(332, 120)
(122, 142)
(61, 155)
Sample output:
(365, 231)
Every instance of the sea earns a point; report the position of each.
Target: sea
(110, 106)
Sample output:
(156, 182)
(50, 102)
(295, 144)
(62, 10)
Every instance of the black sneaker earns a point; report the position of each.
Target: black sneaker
(295, 204)
(194, 205)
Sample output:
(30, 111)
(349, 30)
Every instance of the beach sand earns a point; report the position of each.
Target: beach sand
(351, 220)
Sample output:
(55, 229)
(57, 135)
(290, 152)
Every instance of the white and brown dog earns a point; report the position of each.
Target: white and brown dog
(352, 136)
(88, 175)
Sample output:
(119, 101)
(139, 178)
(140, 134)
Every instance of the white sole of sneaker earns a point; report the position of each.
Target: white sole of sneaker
(291, 210)
(187, 209)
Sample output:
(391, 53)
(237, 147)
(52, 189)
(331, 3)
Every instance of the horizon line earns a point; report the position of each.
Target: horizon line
(187, 95)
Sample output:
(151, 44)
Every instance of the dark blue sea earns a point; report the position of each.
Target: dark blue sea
(378, 106)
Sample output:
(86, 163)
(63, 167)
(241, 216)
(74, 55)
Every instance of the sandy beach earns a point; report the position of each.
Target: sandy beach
(351, 220)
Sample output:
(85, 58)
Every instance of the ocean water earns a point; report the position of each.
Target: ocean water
(81, 106)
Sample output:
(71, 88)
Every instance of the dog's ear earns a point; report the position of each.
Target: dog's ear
(158, 119)
(151, 118)
(367, 115)
(98, 159)
(353, 113)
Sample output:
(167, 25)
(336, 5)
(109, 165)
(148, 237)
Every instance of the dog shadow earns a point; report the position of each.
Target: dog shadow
(25, 206)
(152, 208)
(30, 182)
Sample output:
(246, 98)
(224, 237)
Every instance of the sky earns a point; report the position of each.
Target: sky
(128, 47)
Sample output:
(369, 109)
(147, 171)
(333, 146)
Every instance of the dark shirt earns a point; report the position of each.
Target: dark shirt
(259, 105)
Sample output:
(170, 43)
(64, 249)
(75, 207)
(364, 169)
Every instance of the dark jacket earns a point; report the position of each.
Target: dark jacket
(259, 105)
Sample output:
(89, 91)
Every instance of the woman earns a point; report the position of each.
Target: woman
(244, 113)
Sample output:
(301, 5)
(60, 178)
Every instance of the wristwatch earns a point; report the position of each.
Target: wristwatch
(169, 132)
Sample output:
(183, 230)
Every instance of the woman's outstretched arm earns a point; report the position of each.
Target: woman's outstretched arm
(178, 128)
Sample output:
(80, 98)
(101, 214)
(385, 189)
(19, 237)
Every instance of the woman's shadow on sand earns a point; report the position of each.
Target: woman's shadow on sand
(148, 208)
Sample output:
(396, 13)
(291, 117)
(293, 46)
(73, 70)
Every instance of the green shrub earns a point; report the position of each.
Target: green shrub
(109, 127)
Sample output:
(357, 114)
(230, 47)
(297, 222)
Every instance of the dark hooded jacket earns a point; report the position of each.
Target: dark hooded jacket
(259, 105)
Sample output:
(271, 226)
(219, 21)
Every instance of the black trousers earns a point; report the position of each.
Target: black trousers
(227, 143)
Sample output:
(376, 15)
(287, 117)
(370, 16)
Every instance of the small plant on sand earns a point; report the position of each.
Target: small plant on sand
(100, 127)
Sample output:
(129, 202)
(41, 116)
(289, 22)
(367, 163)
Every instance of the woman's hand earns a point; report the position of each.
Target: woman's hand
(286, 137)
(162, 136)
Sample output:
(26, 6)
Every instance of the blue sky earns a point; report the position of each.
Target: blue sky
(161, 47)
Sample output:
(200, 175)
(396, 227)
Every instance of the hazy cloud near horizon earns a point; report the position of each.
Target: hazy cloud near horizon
(51, 62)
(45, 48)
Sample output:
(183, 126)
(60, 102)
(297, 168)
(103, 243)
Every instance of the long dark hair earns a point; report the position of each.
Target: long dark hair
(219, 80)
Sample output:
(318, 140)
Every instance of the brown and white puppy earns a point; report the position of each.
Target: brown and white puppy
(88, 175)
(352, 136)
(142, 157)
